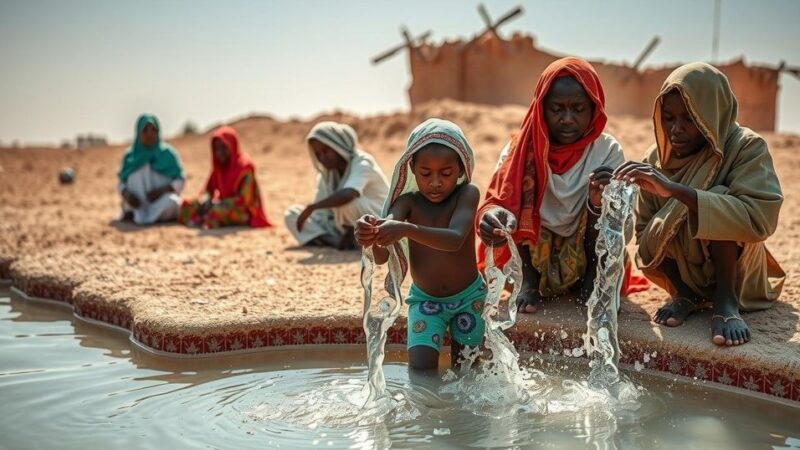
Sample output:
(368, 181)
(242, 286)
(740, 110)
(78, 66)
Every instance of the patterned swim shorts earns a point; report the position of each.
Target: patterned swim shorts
(429, 316)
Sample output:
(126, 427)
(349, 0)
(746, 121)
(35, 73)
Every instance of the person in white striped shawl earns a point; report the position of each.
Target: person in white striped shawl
(350, 184)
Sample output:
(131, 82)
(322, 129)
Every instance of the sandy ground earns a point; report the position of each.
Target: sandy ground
(176, 278)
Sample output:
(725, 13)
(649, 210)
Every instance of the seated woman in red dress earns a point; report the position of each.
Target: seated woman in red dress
(231, 196)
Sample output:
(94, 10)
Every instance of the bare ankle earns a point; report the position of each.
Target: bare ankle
(726, 300)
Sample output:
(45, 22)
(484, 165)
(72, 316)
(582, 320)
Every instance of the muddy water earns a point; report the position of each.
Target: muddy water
(67, 384)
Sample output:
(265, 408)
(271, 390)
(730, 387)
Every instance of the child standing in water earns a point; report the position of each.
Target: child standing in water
(431, 215)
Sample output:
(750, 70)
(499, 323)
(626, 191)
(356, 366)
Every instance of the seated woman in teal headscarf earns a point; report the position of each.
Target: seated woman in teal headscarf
(151, 177)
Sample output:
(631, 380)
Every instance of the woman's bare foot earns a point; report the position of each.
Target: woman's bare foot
(675, 312)
(727, 326)
(685, 302)
(528, 298)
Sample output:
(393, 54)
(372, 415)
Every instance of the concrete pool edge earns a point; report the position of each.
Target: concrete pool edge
(660, 357)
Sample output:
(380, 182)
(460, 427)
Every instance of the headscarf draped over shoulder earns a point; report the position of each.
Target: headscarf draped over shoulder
(519, 184)
(161, 156)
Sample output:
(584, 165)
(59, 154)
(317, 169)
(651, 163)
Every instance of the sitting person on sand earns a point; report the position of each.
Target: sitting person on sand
(709, 199)
(151, 176)
(428, 219)
(548, 183)
(350, 184)
(231, 196)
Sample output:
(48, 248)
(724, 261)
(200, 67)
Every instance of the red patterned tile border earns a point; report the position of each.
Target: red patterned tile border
(796, 390)
(257, 339)
(700, 370)
(340, 335)
(725, 374)
(235, 341)
(172, 343)
(778, 386)
(751, 379)
(214, 343)
(553, 342)
(43, 290)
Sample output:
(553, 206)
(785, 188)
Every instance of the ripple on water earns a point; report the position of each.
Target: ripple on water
(87, 390)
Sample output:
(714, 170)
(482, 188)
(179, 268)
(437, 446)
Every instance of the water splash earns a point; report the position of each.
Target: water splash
(353, 403)
(377, 320)
(497, 386)
(615, 225)
(504, 360)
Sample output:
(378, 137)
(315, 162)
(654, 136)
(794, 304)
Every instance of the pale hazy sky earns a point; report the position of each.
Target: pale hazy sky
(79, 66)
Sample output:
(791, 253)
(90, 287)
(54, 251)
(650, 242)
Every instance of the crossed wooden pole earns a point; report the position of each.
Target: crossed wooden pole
(409, 42)
(492, 26)
(642, 56)
(791, 70)
(413, 43)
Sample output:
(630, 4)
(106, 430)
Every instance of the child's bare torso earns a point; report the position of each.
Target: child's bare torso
(440, 273)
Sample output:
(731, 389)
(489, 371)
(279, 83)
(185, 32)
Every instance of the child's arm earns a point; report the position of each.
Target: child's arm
(367, 227)
(448, 239)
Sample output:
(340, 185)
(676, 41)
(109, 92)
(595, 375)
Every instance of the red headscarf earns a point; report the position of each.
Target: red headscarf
(519, 183)
(225, 181)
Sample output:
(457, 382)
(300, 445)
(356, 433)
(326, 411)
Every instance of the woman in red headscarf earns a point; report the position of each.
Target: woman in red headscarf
(548, 184)
(231, 196)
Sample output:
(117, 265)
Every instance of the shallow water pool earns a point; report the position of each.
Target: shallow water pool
(68, 384)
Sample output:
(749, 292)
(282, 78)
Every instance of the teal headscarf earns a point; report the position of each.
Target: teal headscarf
(161, 156)
(432, 131)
